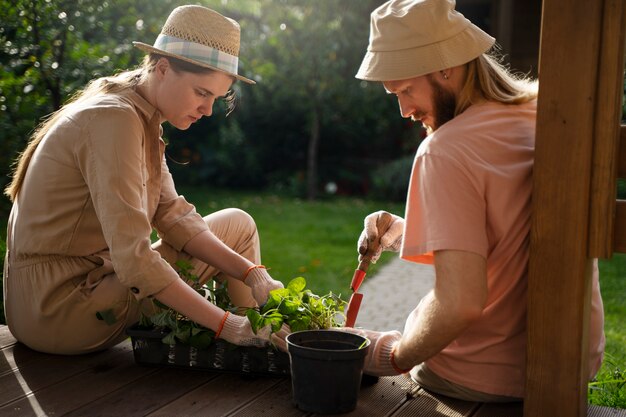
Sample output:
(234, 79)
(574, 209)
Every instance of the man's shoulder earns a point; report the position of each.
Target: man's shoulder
(494, 112)
(489, 116)
(485, 127)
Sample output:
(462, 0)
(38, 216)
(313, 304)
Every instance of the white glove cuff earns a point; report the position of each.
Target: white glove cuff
(237, 330)
(380, 360)
(257, 276)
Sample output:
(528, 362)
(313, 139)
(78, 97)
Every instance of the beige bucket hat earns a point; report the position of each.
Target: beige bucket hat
(409, 38)
(201, 36)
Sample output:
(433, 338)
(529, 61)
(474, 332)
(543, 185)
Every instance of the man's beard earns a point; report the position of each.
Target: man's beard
(444, 104)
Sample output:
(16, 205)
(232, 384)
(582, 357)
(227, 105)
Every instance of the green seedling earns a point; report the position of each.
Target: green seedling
(294, 305)
(299, 308)
(180, 328)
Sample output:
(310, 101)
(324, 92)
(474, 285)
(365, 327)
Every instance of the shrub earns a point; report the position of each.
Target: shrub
(391, 181)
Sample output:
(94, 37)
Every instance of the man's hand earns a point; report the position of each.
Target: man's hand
(379, 360)
(390, 240)
(261, 284)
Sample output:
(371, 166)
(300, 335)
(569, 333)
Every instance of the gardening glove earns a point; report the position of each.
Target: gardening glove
(278, 338)
(238, 331)
(261, 283)
(391, 239)
(378, 361)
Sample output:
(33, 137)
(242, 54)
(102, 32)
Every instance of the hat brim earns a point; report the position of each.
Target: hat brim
(414, 62)
(149, 48)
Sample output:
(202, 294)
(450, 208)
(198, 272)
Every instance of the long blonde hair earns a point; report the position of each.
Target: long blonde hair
(488, 79)
(105, 85)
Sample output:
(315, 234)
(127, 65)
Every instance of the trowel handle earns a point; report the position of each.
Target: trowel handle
(382, 225)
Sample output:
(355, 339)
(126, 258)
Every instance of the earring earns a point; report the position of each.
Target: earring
(445, 76)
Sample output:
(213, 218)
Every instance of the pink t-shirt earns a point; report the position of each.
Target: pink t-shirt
(471, 190)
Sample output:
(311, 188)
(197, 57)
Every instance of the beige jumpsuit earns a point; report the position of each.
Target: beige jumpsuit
(78, 238)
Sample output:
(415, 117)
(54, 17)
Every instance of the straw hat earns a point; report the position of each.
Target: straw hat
(409, 38)
(201, 36)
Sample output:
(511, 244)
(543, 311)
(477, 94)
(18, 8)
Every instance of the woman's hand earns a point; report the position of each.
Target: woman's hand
(238, 331)
(261, 284)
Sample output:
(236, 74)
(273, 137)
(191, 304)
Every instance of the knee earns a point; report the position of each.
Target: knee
(243, 219)
(237, 219)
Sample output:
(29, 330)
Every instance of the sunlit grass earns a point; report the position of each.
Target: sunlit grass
(610, 387)
(315, 240)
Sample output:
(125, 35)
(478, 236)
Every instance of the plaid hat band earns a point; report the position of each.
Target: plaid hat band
(197, 52)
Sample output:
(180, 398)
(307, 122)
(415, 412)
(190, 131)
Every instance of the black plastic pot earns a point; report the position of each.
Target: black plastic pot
(326, 369)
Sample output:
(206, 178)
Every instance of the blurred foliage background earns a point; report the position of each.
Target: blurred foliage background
(308, 128)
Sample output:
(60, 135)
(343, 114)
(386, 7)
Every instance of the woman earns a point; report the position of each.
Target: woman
(92, 184)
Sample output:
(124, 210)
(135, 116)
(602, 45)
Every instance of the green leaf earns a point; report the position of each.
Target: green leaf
(301, 323)
(288, 306)
(255, 319)
(163, 319)
(160, 304)
(170, 339)
(185, 270)
(276, 322)
(183, 333)
(201, 340)
(296, 285)
(107, 315)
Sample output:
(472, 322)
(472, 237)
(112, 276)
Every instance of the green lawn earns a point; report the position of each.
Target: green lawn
(610, 390)
(315, 240)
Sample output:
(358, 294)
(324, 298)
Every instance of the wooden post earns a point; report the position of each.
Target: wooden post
(606, 142)
(559, 269)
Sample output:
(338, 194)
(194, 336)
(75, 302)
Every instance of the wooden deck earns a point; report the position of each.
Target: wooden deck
(111, 384)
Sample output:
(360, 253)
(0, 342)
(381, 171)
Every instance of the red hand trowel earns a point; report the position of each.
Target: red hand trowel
(382, 224)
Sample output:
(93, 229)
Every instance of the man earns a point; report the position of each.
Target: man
(468, 205)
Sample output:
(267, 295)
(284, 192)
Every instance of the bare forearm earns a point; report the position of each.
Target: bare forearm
(457, 300)
(434, 327)
(184, 299)
(208, 248)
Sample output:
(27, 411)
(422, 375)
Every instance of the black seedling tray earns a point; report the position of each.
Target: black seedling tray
(149, 349)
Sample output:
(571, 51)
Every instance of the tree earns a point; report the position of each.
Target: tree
(306, 123)
(304, 55)
(51, 49)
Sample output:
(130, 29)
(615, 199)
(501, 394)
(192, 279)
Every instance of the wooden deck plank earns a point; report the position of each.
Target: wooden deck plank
(74, 392)
(595, 411)
(16, 355)
(146, 394)
(426, 404)
(382, 398)
(276, 402)
(42, 370)
(6, 338)
(208, 398)
(500, 410)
